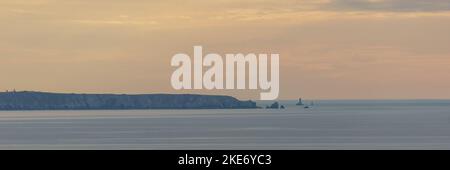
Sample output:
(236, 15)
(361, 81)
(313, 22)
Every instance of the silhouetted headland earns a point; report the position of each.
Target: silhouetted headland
(28, 100)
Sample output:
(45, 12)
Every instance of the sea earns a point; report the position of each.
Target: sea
(325, 125)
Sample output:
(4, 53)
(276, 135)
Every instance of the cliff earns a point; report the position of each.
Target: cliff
(59, 101)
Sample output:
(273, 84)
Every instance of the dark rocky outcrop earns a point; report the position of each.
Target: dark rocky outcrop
(275, 105)
(60, 101)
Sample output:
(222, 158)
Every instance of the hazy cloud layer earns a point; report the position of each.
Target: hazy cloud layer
(389, 5)
(328, 48)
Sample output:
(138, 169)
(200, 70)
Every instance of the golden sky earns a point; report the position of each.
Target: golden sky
(329, 49)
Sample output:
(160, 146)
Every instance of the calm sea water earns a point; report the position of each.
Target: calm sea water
(418, 124)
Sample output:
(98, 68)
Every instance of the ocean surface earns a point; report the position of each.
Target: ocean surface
(339, 124)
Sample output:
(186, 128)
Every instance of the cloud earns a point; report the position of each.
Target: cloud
(388, 5)
(116, 22)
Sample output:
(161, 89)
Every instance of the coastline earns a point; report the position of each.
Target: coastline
(30, 100)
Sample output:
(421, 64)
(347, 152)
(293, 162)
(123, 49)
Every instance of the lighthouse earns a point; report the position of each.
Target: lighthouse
(300, 102)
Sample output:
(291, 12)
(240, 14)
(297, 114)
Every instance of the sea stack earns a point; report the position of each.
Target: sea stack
(275, 105)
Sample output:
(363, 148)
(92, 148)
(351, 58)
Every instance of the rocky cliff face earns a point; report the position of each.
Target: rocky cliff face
(59, 101)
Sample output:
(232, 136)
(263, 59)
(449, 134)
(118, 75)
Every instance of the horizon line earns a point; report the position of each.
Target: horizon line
(240, 98)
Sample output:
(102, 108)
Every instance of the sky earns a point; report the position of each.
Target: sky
(329, 49)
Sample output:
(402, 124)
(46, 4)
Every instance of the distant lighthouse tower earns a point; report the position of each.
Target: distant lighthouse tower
(300, 102)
